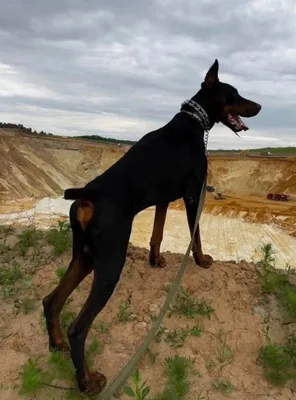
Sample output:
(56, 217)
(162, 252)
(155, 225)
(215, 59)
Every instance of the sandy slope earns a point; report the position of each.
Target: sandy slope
(34, 166)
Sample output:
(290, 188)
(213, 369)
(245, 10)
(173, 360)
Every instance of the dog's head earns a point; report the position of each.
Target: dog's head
(224, 103)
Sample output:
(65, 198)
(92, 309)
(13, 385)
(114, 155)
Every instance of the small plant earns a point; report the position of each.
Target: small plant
(176, 338)
(277, 282)
(124, 314)
(178, 372)
(102, 327)
(32, 378)
(61, 272)
(66, 318)
(185, 304)
(28, 238)
(152, 355)
(61, 366)
(27, 305)
(60, 239)
(224, 352)
(223, 386)
(159, 334)
(210, 364)
(279, 361)
(8, 278)
(140, 391)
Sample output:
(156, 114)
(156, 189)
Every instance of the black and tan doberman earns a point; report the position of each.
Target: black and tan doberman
(167, 164)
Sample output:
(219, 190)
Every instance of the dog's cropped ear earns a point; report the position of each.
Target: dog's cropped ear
(212, 75)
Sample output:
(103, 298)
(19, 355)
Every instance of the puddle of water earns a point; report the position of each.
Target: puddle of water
(222, 237)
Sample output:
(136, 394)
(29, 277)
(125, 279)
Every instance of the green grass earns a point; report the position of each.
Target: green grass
(176, 338)
(178, 374)
(125, 313)
(277, 282)
(32, 378)
(61, 272)
(60, 238)
(279, 361)
(9, 277)
(185, 304)
(59, 367)
(28, 238)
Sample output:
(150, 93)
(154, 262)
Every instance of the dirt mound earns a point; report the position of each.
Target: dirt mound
(222, 340)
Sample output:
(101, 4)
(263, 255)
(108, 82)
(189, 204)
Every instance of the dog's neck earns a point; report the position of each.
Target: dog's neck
(196, 112)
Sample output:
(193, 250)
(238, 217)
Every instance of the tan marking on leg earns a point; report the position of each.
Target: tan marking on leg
(85, 212)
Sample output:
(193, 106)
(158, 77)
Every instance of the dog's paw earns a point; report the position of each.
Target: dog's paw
(92, 384)
(157, 261)
(205, 262)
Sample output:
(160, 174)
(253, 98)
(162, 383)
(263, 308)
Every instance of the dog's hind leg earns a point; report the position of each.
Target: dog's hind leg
(201, 259)
(79, 267)
(155, 259)
(108, 264)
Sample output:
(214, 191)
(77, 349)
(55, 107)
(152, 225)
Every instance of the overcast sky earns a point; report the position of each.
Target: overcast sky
(121, 68)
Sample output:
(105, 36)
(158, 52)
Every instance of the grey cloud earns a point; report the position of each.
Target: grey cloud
(140, 60)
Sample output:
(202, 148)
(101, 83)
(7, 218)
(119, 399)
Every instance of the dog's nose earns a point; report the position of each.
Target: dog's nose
(258, 106)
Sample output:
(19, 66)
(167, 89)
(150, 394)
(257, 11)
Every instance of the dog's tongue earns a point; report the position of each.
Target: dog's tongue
(237, 122)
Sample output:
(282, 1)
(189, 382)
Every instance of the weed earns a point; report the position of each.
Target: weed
(210, 364)
(96, 347)
(59, 238)
(124, 314)
(224, 352)
(140, 391)
(223, 386)
(266, 333)
(176, 338)
(159, 334)
(61, 272)
(178, 372)
(185, 304)
(102, 327)
(28, 238)
(32, 378)
(62, 366)
(279, 361)
(276, 282)
(27, 305)
(152, 355)
(9, 276)
(66, 318)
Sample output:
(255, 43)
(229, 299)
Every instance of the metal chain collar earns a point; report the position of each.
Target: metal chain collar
(200, 115)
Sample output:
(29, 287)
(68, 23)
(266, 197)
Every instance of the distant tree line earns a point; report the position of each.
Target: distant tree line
(104, 139)
(21, 127)
(24, 129)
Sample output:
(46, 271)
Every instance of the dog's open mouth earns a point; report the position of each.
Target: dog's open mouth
(236, 122)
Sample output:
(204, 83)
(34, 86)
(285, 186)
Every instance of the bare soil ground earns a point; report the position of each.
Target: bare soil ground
(223, 340)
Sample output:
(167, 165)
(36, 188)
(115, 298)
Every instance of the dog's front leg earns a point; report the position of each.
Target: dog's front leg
(203, 260)
(155, 259)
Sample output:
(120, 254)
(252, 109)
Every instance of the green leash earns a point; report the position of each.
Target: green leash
(121, 378)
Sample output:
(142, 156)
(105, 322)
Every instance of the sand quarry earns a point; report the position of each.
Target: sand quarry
(34, 172)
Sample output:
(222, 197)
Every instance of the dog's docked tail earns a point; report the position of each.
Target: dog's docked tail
(81, 193)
